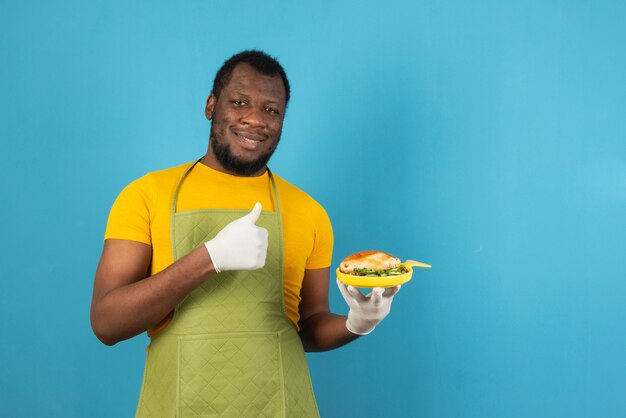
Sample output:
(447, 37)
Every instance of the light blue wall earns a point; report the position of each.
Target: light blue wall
(488, 139)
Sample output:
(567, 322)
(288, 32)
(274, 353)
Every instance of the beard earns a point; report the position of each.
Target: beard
(234, 164)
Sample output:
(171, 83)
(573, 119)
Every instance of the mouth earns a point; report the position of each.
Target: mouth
(249, 138)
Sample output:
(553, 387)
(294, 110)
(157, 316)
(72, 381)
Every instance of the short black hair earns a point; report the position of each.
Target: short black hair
(259, 60)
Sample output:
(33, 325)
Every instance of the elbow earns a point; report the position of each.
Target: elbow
(102, 331)
(106, 340)
(104, 337)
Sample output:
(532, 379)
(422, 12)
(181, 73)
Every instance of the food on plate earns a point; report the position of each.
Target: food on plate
(372, 264)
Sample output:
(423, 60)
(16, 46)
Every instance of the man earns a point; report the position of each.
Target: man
(226, 265)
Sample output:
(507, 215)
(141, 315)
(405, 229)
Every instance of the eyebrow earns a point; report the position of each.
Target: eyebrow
(266, 100)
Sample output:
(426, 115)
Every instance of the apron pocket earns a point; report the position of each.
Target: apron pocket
(230, 375)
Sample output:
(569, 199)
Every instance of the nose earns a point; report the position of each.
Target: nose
(253, 116)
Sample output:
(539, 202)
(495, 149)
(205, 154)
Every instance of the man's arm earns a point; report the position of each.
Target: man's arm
(125, 303)
(320, 330)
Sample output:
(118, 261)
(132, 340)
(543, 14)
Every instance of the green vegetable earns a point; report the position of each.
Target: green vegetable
(379, 273)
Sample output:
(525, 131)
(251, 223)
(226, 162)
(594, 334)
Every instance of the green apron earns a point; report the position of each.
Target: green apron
(230, 349)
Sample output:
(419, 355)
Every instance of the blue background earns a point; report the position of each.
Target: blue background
(486, 138)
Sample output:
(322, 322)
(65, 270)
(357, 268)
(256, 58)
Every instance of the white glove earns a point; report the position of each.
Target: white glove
(366, 311)
(240, 245)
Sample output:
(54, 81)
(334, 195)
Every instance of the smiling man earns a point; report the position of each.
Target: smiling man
(226, 266)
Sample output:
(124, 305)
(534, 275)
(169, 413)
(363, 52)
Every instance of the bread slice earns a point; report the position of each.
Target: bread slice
(374, 260)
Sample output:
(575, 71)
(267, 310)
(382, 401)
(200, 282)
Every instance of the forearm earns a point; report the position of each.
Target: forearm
(325, 331)
(130, 310)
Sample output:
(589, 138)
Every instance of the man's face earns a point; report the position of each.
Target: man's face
(247, 120)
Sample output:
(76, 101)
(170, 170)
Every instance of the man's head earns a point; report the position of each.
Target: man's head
(247, 108)
(260, 61)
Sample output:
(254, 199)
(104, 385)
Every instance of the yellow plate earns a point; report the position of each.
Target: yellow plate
(389, 281)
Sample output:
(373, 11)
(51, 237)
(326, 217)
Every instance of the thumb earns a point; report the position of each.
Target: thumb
(254, 214)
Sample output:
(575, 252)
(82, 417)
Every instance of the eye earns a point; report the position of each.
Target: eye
(238, 103)
(271, 110)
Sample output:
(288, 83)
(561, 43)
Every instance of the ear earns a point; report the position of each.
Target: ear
(210, 106)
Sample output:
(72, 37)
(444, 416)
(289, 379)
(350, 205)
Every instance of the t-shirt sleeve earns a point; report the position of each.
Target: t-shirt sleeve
(129, 218)
(322, 253)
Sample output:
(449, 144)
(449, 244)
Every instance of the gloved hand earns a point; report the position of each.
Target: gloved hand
(366, 311)
(240, 245)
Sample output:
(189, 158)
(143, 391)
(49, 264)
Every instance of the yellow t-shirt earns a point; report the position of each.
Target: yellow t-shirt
(142, 213)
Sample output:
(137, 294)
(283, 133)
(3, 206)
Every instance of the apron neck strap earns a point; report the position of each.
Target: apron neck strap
(275, 198)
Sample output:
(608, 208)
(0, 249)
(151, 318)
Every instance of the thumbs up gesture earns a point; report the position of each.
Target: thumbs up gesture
(240, 245)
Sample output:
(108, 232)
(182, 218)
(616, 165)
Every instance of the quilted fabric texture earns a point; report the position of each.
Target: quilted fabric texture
(230, 350)
(234, 376)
